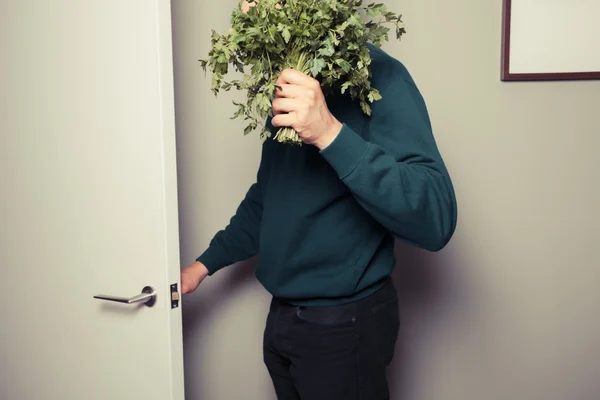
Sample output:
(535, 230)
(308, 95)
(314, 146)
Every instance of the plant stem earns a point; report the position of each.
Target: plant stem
(289, 136)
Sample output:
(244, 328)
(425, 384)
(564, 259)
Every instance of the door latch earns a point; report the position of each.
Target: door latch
(174, 296)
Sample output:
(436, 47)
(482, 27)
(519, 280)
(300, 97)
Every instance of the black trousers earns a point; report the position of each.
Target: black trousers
(332, 353)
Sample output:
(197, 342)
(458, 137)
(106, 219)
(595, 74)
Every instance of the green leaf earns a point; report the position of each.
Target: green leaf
(345, 86)
(374, 95)
(249, 128)
(376, 9)
(317, 65)
(328, 50)
(239, 112)
(345, 65)
(286, 34)
(265, 134)
(263, 102)
(333, 36)
(365, 107)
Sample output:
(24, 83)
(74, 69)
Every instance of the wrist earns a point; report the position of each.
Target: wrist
(329, 136)
(200, 269)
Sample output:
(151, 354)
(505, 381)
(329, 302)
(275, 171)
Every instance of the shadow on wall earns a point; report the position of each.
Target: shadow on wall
(203, 311)
(198, 311)
(425, 294)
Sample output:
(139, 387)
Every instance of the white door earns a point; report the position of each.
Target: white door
(88, 203)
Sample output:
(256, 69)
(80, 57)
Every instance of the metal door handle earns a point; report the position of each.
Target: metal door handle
(148, 297)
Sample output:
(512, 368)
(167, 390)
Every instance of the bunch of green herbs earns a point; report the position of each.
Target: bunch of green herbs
(326, 39)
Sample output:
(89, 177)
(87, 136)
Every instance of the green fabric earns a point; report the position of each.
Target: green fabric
(323, 223)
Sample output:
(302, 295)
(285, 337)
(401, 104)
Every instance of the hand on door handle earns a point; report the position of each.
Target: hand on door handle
(192, 276)
(148, 297)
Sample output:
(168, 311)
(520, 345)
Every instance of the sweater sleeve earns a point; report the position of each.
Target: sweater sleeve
(240, 239)
(398, 175)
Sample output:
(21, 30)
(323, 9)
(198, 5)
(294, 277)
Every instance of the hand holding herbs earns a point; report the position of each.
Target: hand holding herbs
(301, 106)
(325, 39)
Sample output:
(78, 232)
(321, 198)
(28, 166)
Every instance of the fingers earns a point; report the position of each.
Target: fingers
(283, 105)
(294, 91)
(185, 287)
(189, 283)
(283, 120)
(191, 277)
(295, 77)
(289, 91)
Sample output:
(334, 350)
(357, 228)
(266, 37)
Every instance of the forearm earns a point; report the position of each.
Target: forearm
(413, 200)
(239, 240)
(395, 170)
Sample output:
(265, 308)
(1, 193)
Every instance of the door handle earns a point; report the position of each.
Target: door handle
(147, 297)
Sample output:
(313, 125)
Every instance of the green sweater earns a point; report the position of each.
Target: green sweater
(323, 223)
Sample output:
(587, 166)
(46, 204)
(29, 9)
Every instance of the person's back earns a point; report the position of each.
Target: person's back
(323, 217)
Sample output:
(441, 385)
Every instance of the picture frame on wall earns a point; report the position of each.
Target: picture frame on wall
(550, 40)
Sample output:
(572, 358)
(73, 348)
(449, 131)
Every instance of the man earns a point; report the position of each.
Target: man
(323, 217)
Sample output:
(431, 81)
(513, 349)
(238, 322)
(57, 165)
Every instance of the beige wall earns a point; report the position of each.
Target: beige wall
(509, 310)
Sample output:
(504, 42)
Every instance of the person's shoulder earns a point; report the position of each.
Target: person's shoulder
(385, 68)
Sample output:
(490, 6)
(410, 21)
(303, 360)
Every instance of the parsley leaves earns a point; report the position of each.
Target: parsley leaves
(326, 39)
